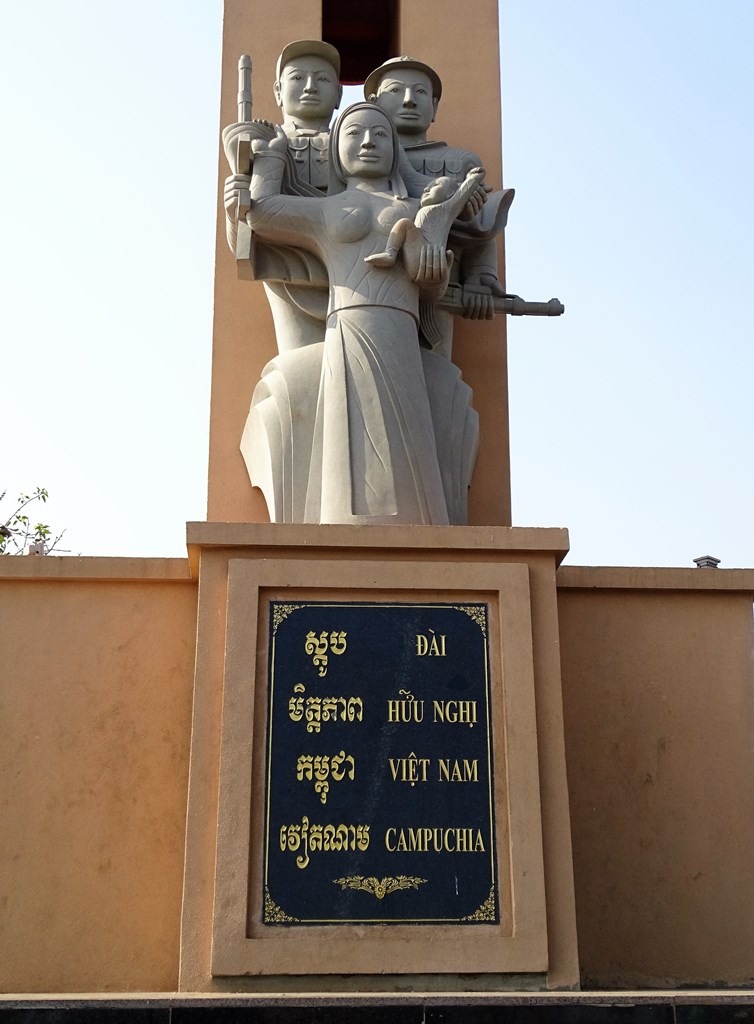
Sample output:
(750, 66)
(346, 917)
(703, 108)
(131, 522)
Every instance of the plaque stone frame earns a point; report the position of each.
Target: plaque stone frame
(241, 944)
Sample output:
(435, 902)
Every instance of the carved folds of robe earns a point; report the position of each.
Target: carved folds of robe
(365, 427)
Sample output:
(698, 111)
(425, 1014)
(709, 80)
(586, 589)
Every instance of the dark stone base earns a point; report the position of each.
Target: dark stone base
(677, 1007)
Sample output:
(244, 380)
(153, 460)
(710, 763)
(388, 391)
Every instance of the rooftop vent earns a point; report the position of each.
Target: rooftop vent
(707, 562)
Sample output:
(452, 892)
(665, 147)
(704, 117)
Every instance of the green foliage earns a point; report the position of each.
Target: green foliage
(19, 536)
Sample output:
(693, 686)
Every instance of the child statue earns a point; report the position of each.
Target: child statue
(440, 204)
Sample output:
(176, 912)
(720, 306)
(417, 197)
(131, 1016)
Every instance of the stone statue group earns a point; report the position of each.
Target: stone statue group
(369, 239)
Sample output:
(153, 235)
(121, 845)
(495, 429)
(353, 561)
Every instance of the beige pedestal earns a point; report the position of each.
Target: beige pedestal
(242, 567)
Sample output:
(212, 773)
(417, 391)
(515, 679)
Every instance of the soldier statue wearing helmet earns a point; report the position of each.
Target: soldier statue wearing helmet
(410, 91)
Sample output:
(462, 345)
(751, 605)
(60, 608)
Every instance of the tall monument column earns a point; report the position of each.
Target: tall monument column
(463, 47)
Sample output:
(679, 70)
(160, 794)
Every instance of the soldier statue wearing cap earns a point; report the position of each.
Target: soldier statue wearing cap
(410, 90)
(307, 89)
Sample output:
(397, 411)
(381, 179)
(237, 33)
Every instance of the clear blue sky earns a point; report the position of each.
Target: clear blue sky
(628, 134)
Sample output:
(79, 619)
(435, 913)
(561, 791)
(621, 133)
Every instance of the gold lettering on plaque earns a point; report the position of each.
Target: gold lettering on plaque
(405, 709)
(430, 644)
(313, 838)
(323, 709)
(456, 712)
(319, 768)
(411, 769)
(319, 647)
(434, 840)
(457, 771)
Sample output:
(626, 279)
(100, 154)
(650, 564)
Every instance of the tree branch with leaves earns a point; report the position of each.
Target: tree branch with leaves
(19, 536)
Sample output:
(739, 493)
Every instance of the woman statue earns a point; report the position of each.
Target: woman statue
(386, 433)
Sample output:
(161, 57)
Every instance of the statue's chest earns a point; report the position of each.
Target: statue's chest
(310, 155)
(355, 221)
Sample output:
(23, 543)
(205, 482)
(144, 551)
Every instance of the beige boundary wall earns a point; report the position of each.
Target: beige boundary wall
(96, 676)
(96, 669)
(658, 694)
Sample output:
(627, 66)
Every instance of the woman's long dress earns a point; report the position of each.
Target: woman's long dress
(353, 439)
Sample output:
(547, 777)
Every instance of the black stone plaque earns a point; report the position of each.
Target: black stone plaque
(379, 794)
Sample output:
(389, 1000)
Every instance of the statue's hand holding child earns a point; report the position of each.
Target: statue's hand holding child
(435, 262)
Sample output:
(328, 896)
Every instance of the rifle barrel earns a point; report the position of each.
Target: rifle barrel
(244, 88)
(519, 307)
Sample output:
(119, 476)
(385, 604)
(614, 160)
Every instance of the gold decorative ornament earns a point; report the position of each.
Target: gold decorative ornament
(273, 914)
(379, 887)
(280, 613)
(476, 612)
(486, 911)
